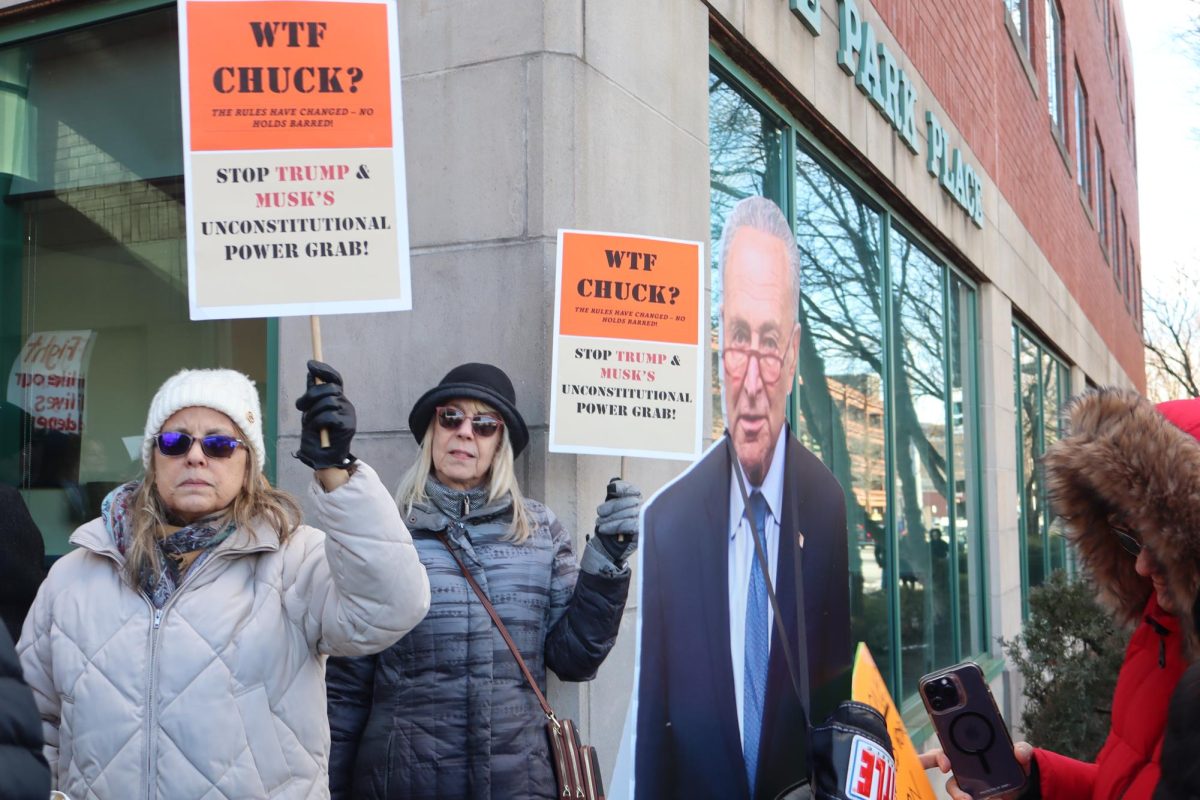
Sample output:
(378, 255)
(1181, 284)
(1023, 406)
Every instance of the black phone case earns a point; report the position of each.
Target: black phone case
(973, 734)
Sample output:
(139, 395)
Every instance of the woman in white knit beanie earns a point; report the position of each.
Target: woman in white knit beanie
(179, 650)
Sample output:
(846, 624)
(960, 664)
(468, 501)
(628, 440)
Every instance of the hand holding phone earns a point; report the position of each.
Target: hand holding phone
(972, 733)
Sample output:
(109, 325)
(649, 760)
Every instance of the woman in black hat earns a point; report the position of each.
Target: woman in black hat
(446, 712)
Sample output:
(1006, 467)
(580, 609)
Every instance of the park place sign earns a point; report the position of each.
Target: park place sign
(879, 76)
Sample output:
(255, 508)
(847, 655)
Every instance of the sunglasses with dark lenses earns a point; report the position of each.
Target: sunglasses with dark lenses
(484, 425)
(1128, 541)
(217, 445)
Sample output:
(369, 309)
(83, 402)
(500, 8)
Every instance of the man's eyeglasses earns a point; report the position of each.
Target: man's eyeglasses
(484, 425)
(770, 361)
(177, 443)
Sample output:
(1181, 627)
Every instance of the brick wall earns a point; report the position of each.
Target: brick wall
(964, 51)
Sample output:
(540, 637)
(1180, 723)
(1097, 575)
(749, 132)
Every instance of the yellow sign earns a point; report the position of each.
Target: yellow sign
(868, 687)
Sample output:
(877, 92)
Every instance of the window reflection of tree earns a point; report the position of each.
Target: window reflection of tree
(745, 160)
(1031, 447)
(1053, 391)
(841, 358)
(917, 287)
(842, 315)
(840, 397)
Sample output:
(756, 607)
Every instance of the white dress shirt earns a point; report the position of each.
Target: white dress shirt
(741, 557)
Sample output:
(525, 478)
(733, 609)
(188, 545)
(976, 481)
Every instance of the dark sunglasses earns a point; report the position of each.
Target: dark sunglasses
(484, 425)
(217, 445)
(1128, 541)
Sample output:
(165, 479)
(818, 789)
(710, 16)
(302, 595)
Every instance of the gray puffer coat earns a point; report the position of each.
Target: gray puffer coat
(445, 712)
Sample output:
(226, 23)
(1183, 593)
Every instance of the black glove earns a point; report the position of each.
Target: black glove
(325, 408)
(617, 520)
(852, 755)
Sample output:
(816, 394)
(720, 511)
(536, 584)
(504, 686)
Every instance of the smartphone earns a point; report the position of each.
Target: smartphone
(973, 735)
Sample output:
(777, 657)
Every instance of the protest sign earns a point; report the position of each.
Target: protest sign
(293, 158)
(47, 379)
(628, 371)
(868, 687)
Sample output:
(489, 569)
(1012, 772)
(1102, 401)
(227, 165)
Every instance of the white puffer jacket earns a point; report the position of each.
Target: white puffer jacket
(221, 693)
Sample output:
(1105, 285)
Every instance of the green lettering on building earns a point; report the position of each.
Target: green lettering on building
(809, 12)
(957, 178)
(849, 22)
(890, 74)
(866, 77)
(908, 114)
(878, 75)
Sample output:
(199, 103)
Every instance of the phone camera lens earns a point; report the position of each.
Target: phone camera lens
(943, 694)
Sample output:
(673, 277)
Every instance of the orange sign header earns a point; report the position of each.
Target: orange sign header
(629, 287)
(288, 75)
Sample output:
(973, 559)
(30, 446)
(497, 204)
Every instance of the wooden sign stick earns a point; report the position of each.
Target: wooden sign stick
(315, 324)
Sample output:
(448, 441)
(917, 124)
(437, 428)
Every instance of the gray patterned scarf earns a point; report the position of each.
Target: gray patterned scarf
(454, 503)
(203, 535)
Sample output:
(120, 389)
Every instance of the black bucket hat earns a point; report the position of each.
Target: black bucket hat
(482, 382)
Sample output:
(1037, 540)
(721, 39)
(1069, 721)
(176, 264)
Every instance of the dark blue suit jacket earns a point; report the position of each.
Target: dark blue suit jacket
(688, 743)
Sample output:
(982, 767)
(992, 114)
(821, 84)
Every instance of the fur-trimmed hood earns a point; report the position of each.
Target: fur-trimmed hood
(1124, 458)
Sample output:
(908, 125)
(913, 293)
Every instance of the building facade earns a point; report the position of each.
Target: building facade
(961, 180)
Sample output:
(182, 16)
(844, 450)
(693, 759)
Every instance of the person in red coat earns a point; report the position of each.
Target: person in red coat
(1126, 482)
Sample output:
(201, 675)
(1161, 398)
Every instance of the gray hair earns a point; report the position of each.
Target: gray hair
(763, 215)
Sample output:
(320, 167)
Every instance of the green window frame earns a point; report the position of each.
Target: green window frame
(774, 155)
(1017, 13)
(1055, 80)
(18, 30)
(1083, 164)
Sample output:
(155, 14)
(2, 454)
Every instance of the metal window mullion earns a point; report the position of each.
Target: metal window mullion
(952, 479)
(1022, 516)
(789, 171)
(892, 556)
(788, 206)
(1040, 450)
(976, 446)
(12, 299)
(76, 15)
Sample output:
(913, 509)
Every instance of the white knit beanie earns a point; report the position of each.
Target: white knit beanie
(224, 390)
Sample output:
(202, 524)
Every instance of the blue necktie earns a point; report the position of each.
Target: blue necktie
(758, 641)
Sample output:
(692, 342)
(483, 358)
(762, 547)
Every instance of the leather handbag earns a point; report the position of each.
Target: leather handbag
(576, 766)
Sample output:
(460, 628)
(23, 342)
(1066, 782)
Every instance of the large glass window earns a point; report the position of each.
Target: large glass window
(840, 406)
(1082, 157)
(93, 273)
(885, 389)
(1101, 195)
(1018, 15)
(931, 416)
(1112, 210)
(1108, 41)
(746, 159)
(1054, 77)
(1123, 259)
(1042, 386)
(1129, 282)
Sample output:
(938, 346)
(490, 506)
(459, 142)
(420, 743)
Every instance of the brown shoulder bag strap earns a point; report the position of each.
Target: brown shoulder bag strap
(549, 712)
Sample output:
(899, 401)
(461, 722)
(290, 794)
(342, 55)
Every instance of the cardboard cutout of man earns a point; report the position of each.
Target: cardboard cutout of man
(716, 713)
